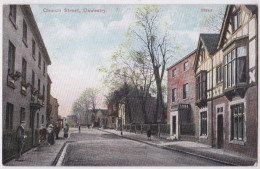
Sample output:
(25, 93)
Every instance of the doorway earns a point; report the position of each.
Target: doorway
(220, 131)
(174, 125)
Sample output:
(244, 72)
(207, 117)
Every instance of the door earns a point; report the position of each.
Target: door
(220, 131)
(174, 125)
(32, 124)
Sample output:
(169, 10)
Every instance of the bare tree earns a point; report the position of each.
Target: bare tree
(155, 42)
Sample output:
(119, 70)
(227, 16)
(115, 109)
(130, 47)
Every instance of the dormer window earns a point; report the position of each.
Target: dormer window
(237, 21)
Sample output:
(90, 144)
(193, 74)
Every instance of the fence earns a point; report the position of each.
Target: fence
(142, 128)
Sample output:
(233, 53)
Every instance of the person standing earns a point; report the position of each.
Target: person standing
(66, 130)
(57, 130)
(20, 139)
(50, 135)
(79, 128)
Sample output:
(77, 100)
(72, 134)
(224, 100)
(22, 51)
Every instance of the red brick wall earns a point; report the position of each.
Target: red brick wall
(178, 82)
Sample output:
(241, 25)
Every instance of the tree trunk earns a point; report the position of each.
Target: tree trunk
(159, 103)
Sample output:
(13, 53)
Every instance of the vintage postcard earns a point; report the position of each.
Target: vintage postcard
(138, 84)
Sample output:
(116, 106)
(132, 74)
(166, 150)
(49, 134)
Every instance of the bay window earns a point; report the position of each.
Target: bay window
(201, 86)
(235, 67)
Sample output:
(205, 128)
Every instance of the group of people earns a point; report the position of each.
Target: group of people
(46, 134)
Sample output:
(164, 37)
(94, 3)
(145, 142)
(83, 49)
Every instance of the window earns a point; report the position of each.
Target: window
(174, 72)
(24, 65)
(186, 91)
(237, 21)
(11, 58)
(237, 122)
(186, 66)
(9, 116)
(219, 74)
(173, 95)
(24, 30)
(39, 86)
(220, 110)
(38, 120)
(201, 86)
(44, 67)
(33, 78)
(22, 115)
(33, 48)
(42, 119)
(39, 60)
(43, 90)
(235, 67)
(12, 13)
(203, 123)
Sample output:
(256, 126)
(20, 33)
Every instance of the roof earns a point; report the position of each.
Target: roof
(35, 30)
(252, 8)
(210, 41)
(187, 56)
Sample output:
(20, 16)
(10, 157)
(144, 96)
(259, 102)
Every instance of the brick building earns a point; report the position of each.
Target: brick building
(54, 110)
(181, 98)
(25, 62)
(112, 115)
(226, 82)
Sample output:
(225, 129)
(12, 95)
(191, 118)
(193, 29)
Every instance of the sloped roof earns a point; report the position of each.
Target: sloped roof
(252, 8)
(210, 41)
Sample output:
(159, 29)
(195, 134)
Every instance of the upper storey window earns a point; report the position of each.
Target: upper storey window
(236, 20)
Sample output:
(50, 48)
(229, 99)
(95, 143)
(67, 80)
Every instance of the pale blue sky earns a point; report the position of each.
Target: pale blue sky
(79, 42)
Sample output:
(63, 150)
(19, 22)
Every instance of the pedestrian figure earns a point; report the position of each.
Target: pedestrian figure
(57, 130)
(43, 134)
(50, 135)
(66, 130)
(149, 133)
(20, 139)
(79, 128)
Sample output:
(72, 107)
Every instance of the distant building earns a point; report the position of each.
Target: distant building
(72, 120)
(49, 107)
(54, 110)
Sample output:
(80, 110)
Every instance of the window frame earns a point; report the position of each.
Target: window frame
(22, 114)
(11, 58)
(234, 80)
(39, 86)
(232, 132)
(219, 75)
(174, 95)
(24, 70)
(186, 68)
(13, 13)
(33, 48)
(33, 79)
(9, 116)
(39, 60)
(25, 33)
(200, 83)
(186, 92)
(237, 16)
(204, 124)
(174, 72)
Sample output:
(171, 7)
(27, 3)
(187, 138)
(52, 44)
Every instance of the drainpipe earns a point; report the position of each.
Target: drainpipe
(212, 102)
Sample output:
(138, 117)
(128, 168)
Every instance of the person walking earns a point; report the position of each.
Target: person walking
(43, 134)
(20, 139)
(50, 135)
(79, 128)
(66, 130)
(57, 130)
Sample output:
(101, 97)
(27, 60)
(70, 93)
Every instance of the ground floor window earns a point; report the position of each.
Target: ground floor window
(237, 122)
(203, 123)
(22, 115)
(9, 116)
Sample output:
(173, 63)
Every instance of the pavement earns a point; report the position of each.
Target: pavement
(46, 156)
(191, 148)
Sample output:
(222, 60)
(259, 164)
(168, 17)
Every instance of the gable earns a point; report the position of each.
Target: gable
(229, 30)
